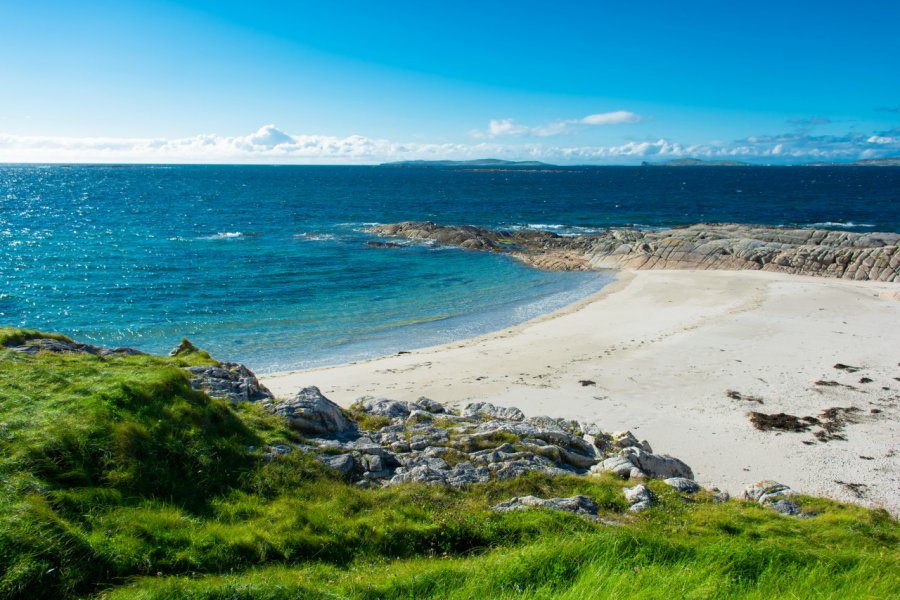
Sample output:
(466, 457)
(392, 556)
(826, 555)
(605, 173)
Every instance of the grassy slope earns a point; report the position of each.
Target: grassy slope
(117, 479)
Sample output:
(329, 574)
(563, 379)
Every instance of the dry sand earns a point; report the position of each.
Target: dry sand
(663, 349)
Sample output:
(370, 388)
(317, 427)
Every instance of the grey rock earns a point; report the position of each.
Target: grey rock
(433, 462)
(273, 452)
(767, 491)
(229, 381)
(620, 466)
(561, 455)
(377, 475)
(634, 462)
(420, 437)
(400, 446)
(774, 495)
(342, 463)
(465, 473)
(419, 416)
(550, 431)
(582, 506)
(517, 468)
(311, 412)
(598, 442)
(391, 409)
(591, 429)
(554, 424)
(34, 346)
(374, 463)
(461, 474)
(502, 453)
(683, 485)
(418, 442)
(365, 445)
(31, 350)
(624, 439)
(785, 507)
(657, 466)
(412, 451)
(719, 496)
(639, 498)
(486, 410)
(431, 405)
(420, 474)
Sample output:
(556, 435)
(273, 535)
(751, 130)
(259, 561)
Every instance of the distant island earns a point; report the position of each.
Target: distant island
(480, 162)
(866, 162)
(696, 162)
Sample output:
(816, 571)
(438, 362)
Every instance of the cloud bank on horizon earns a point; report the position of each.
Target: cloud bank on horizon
(271, 145)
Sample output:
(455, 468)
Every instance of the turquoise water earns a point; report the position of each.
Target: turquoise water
(269, 265)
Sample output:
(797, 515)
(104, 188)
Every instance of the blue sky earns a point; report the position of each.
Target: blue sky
(363, 82)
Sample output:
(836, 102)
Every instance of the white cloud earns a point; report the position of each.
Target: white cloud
(617, 117)
(502, 127)
(269, 137)
(268, 144)
(505, 127)
(271, 145)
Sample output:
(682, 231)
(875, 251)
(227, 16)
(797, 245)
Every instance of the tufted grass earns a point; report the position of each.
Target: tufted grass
(117, 480)
(16, 336)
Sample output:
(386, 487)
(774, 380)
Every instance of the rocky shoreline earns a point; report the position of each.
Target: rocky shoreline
(380, 442)
(718, 246)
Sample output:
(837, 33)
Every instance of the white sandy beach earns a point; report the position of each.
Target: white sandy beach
(664, 348)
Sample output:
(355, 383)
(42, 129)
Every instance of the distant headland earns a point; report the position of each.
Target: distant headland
(696, 162)
(479, 162)
(496, 163)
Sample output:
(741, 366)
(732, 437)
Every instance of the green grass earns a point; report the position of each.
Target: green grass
(467, 443)
(118, 480)
(14, 336)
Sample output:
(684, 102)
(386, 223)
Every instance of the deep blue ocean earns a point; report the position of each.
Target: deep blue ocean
(269, 265)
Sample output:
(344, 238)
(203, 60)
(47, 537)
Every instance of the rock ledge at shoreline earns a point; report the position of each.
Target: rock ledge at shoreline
(716, 246)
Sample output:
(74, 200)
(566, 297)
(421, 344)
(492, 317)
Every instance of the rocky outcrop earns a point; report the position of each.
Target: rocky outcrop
(636, 463)
(310, 412)
(424, 442)
(639, 498)
(682, 485)
(579, 505)
(487, 410)
(184, 347)
(774, 495)
(819, 252)
(230, 381)
(763, 492)
(56, 346)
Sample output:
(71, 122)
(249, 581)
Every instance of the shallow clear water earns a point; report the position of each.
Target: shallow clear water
(268, 265)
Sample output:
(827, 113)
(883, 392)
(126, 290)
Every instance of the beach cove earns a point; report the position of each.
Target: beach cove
(682, 358)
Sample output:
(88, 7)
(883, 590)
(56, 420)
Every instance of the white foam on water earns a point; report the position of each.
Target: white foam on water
(314, 237)
(227, 235)
(847, 224)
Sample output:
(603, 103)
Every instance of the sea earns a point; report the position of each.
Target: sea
(269, 265)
